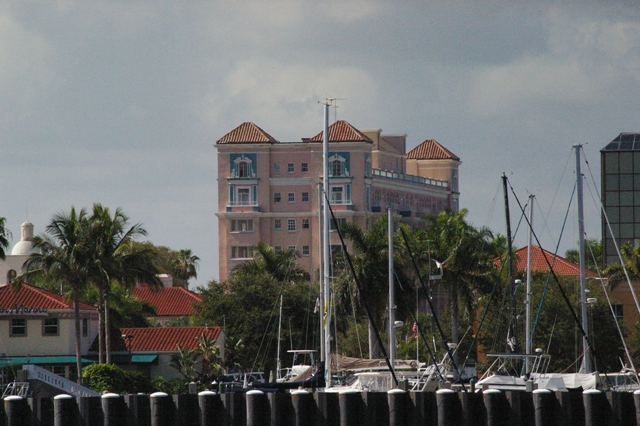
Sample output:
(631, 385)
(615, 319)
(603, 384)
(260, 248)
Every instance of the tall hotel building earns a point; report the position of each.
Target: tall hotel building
(269, 191)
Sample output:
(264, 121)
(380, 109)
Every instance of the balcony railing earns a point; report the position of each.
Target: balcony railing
(236, 203)
(340, 202)
(409, 178)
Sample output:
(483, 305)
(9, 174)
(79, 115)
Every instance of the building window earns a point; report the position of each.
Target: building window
(18, 327)
(277, 249)
(276, 197)
(304, 167)
(305, 197)
(85, 326)
(292, 197)
(305, 223)
(454, 180)
(305, 250)
(277, 224)
(340, 220)
(50, 327)
(290, 168)
(276, 168)
(291, 225)
(241, 252)
(11, 275)
(243, 169)
(242, 225)
(336, 168)
(243, 196)
(292, 248)
(337, 195)
(619, 311)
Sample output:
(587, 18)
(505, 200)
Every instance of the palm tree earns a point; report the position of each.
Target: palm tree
(278, 265)
(4, 238)
(62, 255)
(185, 362)
(616, 274)
(208, 353)
(185, 266)
(114, 258)
(465, 253)
(370, 260)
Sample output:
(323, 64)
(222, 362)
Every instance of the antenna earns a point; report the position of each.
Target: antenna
(333, 103)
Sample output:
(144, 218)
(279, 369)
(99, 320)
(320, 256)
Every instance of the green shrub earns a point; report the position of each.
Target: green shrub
(110, 377)
(137, 382)
(105, 377)
(160, 384)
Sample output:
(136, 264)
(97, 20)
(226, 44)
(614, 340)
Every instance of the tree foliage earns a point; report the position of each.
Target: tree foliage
(248, 306)
(370, 258)
(616, 274)
(4, 238)
(200, 364)
(63, 255)
(185, 266)
(111, 378)
(278, 265)
(182, 264)
(593, 254)
(556, 330)
(113, 258)
(465, 254)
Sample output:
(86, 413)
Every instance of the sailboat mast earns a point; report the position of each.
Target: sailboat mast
(513, 341)
(278, 362)
(527, 333)
(321, 268)
(325, 233)
(392, 301)
(586, 360)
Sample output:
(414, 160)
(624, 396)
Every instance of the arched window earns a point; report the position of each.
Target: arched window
(11, 275)
(336, 168)
(243, 169)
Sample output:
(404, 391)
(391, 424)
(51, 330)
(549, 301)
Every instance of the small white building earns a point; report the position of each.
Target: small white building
(12, 265)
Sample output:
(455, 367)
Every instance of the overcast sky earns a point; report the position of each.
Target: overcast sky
(121, 102)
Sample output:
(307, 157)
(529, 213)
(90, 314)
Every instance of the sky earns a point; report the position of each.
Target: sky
(121, 102)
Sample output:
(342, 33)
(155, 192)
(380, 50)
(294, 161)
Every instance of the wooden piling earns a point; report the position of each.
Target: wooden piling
(161, 409)
(258, 410)
(449, 408)
(350, 401)
(64, 409)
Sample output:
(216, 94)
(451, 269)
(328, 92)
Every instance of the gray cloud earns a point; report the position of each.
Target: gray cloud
(121, 102)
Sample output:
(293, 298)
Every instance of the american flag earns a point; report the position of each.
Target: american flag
(415, 330)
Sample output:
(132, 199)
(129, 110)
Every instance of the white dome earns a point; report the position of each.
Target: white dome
(25, 245)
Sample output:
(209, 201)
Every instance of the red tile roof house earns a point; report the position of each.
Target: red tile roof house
(622, 299)
(173, 305)
(151, 348)
(38, 327)
(561, 266)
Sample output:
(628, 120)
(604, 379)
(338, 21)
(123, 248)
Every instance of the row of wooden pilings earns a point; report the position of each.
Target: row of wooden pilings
(346, 408)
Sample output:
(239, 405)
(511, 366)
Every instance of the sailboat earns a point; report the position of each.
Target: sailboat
(529, 370)
(530, 367)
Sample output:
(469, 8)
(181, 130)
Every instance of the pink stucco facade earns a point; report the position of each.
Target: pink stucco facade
(268, 191)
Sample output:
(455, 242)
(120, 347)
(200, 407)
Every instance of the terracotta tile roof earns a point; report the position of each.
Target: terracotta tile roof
(169, 301)
(561, 266)
(247, 133)
(164, 339)
(341, 131)
(35, 297)
(431, 150)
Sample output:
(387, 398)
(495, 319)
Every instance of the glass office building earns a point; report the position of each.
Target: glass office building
(620, 183)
